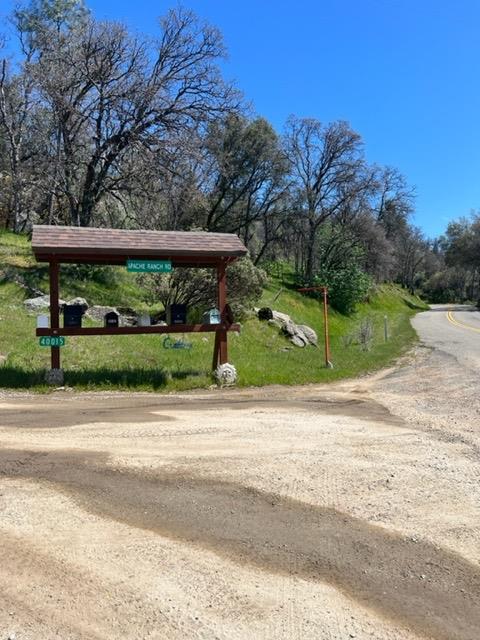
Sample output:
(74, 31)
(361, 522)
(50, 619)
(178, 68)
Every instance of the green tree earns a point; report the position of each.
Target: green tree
(247, 183)
(347, 286)
(40, 17)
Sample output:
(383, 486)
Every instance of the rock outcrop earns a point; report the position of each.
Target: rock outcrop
(299, 335)
(97, 312)
(125, 317)
(40, 303)
(309, 333)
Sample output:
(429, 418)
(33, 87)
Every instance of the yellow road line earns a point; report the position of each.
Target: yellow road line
(458, 323)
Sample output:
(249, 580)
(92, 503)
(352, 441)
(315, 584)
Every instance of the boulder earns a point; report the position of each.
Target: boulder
(284, 322)
(298, 341)
(128, 316)
(309, 333)
(276, 323)
(300, 335)
(282, 317)
(39, 303)
(97, 312)
(289, 328)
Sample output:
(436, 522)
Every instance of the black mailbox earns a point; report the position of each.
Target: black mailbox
(72, 315)
(111, 319)
(177, 314)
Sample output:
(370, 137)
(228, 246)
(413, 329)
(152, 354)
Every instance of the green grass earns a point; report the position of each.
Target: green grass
(141, 362)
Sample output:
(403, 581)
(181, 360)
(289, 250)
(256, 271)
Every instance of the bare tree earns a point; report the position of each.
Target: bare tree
(113, 95)
(411, 249)
(393, 201)
(328, 168)
(57, 18)
(16, 103)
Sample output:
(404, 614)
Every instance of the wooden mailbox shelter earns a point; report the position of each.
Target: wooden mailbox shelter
(57, 245)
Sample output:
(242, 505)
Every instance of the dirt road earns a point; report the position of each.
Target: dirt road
(347, 511)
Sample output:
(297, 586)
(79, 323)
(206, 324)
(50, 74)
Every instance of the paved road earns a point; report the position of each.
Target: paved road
(454, 329)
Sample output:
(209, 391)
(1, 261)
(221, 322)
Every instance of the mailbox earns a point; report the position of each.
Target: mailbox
(42, 322)
(144, 320)
(111, 319)
(212, 316)
(177, 314)
(72, 315)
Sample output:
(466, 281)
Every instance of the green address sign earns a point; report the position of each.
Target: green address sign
(149, 266)
(52, 341)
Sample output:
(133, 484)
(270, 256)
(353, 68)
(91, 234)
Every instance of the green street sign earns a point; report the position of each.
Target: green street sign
(149, 266)
(52, 341)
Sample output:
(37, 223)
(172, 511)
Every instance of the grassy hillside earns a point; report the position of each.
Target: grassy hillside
(140, 362)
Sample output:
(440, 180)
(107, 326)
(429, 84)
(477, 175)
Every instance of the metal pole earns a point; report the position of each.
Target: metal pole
(324, 290)
(385, 327)
(328, 363)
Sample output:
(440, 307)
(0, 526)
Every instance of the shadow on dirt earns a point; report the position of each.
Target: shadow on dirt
(66, 409)
(426, 588)
(18, 378)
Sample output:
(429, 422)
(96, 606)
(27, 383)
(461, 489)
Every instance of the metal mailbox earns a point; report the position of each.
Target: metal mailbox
(72, 315)
(111, 319)
(177, 314)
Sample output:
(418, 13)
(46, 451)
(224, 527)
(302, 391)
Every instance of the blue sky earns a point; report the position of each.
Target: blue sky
(404, 73)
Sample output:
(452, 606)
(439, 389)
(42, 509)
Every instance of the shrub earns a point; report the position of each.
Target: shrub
(198, 287)
(446, 286)
(365, 334)
(245, 284)
(104, 275)
(346, 287)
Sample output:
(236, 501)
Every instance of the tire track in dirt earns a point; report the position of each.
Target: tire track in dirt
(54, 594)
(423, 587)
(287, 626)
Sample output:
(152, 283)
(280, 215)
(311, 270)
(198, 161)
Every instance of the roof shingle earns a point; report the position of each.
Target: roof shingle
(56, 240)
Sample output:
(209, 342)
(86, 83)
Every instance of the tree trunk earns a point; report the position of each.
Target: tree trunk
(16, 190)
(310, 251)
(53, 188)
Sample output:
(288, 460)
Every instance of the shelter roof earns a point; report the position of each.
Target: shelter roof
(112, 246)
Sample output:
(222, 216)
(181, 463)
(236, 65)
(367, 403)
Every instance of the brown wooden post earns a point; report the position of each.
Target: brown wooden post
(220, 351)
(328, 363)
(54, 311)
(216, 350)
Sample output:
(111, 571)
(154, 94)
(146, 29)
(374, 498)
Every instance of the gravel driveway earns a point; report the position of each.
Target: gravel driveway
(340, 511)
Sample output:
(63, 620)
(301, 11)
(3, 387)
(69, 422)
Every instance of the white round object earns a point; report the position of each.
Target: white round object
(226, 374)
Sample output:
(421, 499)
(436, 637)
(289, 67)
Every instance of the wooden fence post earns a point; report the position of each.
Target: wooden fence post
(54, 311)
(220, 352)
